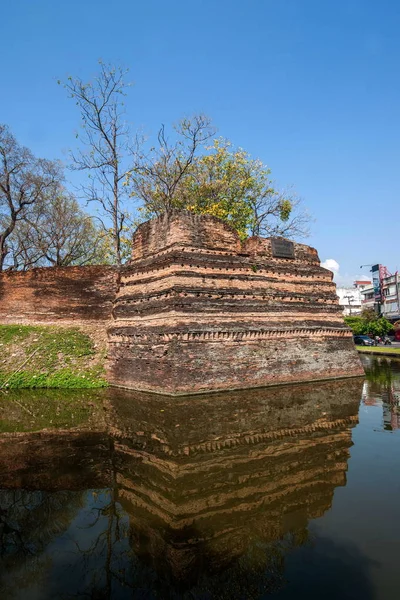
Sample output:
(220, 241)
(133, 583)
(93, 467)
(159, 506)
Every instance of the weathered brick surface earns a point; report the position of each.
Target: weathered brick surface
(58, 295)
(198, 310)
(192, 231)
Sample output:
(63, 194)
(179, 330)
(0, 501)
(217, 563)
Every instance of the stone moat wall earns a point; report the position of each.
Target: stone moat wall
(196, 309)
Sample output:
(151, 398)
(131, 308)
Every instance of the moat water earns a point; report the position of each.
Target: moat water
(290, 492)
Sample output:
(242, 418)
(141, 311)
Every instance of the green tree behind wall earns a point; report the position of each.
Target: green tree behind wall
(369, 323)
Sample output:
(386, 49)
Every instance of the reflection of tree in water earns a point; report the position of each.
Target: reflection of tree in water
(29, 521)
(383, 383)
(73, 545)
(99, 548)
(298, 565)
(260, 570)
(378, 371)
(313, 568)
(70, 541)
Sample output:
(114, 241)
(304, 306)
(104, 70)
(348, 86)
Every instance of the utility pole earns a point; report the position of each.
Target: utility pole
(350, 299)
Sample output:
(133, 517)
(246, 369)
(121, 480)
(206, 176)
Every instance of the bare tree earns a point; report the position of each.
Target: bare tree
(23, 254)
(24, 181)
(276, 213)
(56, 232)
(106, 141)
(157, 176)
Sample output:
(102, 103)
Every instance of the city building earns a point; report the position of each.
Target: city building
(384, 294)
(390, 297)
(350, 298)
(368, 297)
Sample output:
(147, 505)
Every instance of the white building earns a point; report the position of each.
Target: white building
(350, 297)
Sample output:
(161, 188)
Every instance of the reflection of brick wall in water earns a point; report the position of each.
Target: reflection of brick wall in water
(219, 502)
(206, 481)
(198, 310)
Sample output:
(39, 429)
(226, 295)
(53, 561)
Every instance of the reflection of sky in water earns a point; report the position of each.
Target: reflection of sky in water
(310, 513)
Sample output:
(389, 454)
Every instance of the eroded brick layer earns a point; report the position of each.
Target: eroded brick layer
(58, 295)
(198, 310)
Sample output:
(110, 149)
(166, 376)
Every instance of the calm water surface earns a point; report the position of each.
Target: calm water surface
(291, 492)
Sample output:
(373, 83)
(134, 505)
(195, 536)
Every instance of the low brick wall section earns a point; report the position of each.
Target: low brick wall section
(58, 295)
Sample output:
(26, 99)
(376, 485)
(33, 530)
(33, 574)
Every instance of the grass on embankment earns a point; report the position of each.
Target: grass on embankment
(379, 350)
(49, 357)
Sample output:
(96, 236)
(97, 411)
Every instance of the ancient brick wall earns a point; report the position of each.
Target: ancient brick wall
(58, 295)
(198, 310)
(183, 229)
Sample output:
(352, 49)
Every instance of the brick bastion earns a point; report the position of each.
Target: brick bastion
(199, 310)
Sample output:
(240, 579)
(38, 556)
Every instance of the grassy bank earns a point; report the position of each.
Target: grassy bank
(386, 351)
(49, 357)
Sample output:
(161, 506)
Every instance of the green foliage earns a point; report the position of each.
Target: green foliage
(48, 357)
(62, 379)
(105, 253)
(221, 180)
(56, 232)
(223, 183)
(369, 324)
(369, 315)
(285, 208)
(24, 181)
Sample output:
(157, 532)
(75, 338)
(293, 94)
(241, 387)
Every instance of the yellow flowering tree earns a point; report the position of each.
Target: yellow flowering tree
(222, 181)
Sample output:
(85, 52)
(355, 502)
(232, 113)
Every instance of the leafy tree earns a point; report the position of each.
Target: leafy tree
(24, 181)
(369, 323)
(105, 254)
(222, 181)
(227, 183)
(106, 153)
(369, 315)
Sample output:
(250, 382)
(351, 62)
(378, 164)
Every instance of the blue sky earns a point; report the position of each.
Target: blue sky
(310, 87)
